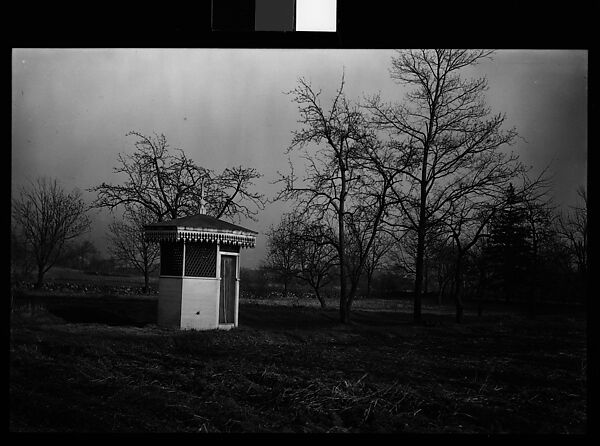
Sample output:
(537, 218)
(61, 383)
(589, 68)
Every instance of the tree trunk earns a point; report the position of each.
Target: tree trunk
(344, 311)
(422, 220)
(344, 314)
(40, 277)
(348, 304)
(447, 286)
(440, 284)
(419, 274)
(146, 281)
(425, 277)
(320, 298)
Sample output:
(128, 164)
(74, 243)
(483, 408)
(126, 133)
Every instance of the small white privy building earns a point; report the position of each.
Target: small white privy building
(199, 271)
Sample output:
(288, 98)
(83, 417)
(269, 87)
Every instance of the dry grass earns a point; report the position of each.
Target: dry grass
(293, 369)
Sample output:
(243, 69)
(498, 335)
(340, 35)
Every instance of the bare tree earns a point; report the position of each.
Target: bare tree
(540, 215)
(346, 180)
(465, 222)
(446, 128)
(573, 227)
(128, 244)
(403, 251)
(466, 217)
(169, 184)
(439, 256)
(300, 249)
(282, 249)
(48, 218)
(381, 246)
(316, 257)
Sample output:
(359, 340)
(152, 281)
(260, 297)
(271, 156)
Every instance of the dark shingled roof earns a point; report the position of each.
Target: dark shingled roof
(199, 222)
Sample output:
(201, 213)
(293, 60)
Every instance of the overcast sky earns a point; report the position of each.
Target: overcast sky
(72, 108)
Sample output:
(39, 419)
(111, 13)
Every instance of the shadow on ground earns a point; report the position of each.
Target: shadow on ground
(108, 310)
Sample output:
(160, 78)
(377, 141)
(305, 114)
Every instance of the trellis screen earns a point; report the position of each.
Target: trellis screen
(200, 259)
(171, 258)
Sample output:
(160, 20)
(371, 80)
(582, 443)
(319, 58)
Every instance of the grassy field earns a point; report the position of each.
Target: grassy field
(92, 363)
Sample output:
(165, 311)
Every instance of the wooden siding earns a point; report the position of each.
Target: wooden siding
(169, 301)
(200, 303)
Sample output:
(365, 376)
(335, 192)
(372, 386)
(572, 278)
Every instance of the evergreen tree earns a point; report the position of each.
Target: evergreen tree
(509, 250)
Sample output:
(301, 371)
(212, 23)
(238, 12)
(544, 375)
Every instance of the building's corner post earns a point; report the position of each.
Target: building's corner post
(217, 302)
(182, 285)
(183, 266)
(237, 290)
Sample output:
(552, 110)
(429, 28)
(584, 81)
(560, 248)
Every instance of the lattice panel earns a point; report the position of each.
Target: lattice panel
(171, 259)
(201, 259)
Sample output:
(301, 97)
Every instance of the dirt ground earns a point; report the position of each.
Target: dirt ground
(100, 364)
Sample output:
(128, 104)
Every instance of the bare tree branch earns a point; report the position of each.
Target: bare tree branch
(347, 183)
(167, 184)
(48, 218)
(128, 244)
(448, 132)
